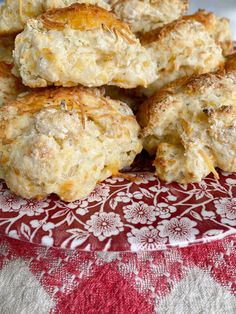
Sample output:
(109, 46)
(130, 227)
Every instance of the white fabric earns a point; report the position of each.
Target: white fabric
(198, 293)
(20, 292)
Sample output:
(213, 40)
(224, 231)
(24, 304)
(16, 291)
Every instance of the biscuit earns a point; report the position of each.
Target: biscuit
(10, 86)
(219, 28)
(6, 48)
(191, 127)
(15, 13)
(181, 48)
(81, 44)
(64, 141)
(146, 15)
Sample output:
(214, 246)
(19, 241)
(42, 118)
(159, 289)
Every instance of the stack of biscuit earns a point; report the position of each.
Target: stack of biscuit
(70, 71)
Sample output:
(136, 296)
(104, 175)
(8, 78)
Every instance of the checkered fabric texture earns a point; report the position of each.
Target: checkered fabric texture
(196, 279)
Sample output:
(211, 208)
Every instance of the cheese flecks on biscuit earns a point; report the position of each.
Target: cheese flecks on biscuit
(181, 48)
(81, 44)
(191, 127)
(219, 28)
(10, 86)
(146, 15)
(64, 141)
(15, 13)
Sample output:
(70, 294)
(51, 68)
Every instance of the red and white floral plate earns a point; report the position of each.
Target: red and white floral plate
(121, 215)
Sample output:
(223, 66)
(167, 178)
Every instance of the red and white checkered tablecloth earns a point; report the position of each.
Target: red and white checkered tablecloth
(196, 279)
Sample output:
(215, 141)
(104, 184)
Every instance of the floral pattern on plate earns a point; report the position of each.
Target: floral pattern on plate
(142, 214)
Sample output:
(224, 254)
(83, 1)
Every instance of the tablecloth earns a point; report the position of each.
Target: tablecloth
(196, 279)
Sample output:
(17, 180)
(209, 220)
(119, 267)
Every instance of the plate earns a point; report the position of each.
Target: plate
(134, 212)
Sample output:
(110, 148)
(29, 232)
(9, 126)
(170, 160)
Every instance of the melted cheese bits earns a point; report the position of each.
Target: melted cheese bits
(190, 126)
(81, 44)
(65, 141)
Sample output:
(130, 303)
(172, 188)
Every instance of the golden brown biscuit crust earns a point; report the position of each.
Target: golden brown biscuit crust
(191, 125)
(160, 32)
(38, 99)
(74, 131)
(95, 49)
(48, 98)
(84, 17)
(201, 16)
(145, 15)
(15, 13)
(208, 19)
(157, 104)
